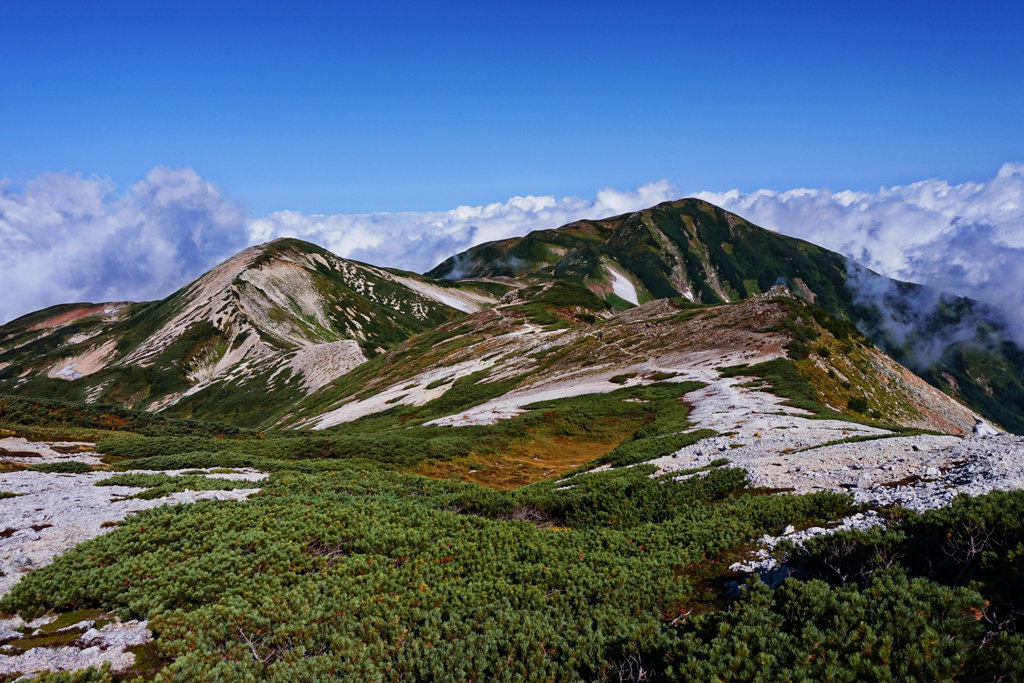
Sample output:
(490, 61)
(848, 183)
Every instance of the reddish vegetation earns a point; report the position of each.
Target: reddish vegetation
(68, 316)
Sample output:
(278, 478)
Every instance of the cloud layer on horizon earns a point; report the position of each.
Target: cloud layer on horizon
(418, 241)
(65, 237)
(68, 238)
(967, 239)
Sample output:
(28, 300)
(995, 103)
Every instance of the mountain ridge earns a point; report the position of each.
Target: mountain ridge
(294, 319)
(692, 249)
(249, 317)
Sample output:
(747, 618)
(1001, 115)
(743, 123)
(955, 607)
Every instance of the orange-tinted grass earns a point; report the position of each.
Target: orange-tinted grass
(521, 464)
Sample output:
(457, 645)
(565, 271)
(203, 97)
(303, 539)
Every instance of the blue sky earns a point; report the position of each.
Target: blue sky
(365, 107)
(143, 142)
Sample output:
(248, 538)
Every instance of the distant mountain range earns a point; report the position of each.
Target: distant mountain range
(288, 334)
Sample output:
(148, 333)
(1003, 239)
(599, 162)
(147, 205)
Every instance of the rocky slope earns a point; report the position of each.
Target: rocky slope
(530, 353)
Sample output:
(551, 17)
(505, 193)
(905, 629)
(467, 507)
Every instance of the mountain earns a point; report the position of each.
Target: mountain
(688, 248)
(555, 342)
(299, 324)
(704, 254)
(286, 317)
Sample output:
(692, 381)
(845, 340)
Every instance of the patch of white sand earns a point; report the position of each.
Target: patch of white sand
(457, 299)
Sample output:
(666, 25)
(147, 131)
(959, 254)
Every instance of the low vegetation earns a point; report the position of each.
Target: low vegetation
(69, 467)
(350, 566)
(370, 574)
(626, 426)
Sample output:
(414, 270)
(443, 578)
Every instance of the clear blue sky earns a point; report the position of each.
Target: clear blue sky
(355, 107)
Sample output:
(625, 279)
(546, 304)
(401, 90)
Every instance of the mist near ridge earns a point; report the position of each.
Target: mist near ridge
(966, 240)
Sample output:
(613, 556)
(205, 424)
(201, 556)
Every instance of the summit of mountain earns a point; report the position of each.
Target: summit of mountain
(286, 307)
(701, 253)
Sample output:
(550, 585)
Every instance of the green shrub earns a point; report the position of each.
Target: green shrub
(66, 467)
(975, 543)
(16, 410)
(895, 628)
(858, 404)
(797, 350)
(651, 447)
(360, 571)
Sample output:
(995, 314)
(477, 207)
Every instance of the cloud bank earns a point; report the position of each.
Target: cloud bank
(66, 237)
(967, 239)
(420, 241)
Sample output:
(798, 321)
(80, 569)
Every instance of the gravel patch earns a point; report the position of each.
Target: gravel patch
(52, 513)
(784, 448)
(95, 647)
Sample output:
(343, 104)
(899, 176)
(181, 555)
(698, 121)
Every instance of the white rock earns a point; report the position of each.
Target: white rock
(74, 627)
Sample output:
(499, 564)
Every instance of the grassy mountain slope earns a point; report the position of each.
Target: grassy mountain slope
(695, 250)
(479, 382)
(286, 315)
(687, 248)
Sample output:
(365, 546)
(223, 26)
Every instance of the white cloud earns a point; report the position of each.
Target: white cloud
(420, 241)
(68, 238)
(967, 239)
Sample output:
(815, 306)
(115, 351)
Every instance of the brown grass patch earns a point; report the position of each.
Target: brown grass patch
(521, 464)
(67, 317)
(77, 448)
(4, 453)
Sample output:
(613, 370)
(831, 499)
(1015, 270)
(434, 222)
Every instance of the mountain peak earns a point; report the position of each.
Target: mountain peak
(285, 311)
(289, 316)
